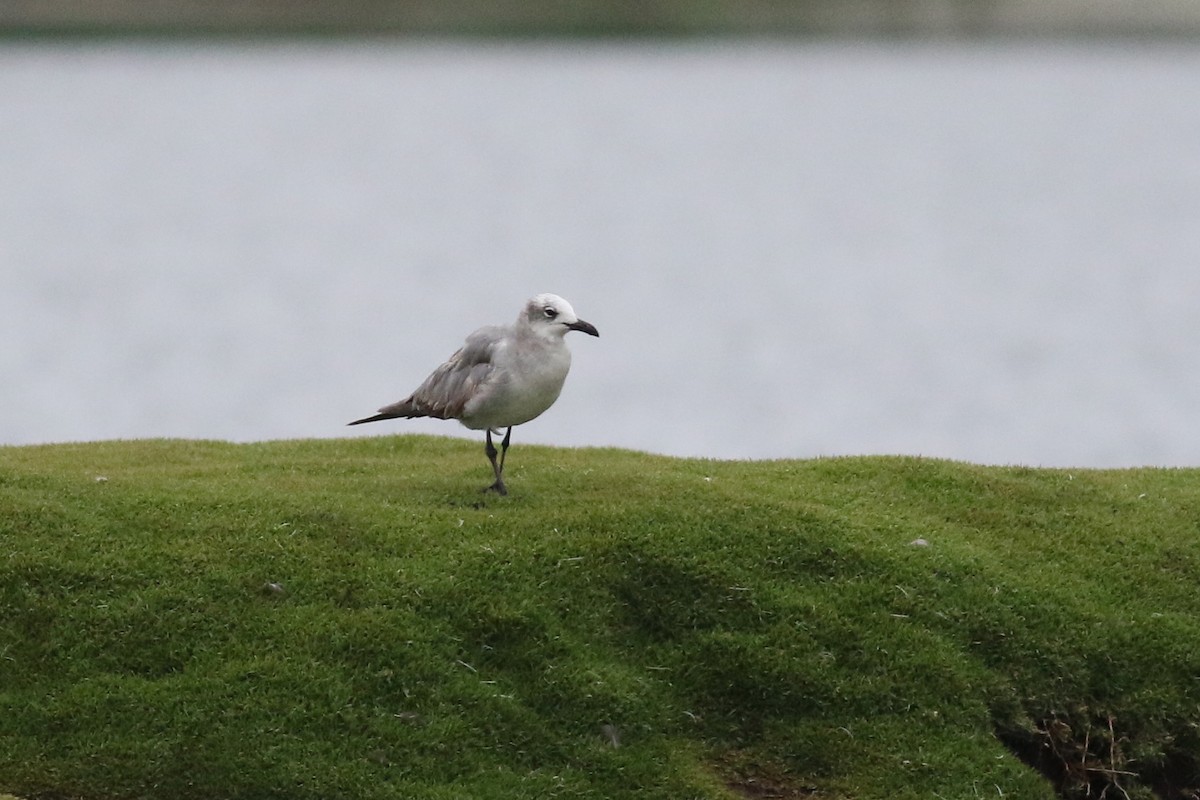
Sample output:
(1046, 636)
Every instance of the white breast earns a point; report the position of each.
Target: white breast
(521, 387)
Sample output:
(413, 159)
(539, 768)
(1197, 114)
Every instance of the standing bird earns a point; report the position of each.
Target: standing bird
(504, 375)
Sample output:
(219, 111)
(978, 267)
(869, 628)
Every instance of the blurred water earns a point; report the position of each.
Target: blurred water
(988, 253)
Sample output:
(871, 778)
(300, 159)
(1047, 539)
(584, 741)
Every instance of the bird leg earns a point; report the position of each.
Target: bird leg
(504, 447)
(498, 468)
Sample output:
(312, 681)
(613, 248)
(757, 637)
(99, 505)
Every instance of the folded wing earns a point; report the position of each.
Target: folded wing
(451, 386)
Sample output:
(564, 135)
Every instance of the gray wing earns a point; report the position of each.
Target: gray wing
(448, 389)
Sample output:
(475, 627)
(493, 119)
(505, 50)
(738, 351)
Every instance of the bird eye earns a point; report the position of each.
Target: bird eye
(550, 311)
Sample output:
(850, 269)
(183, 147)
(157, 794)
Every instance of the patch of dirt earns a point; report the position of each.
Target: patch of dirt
(768, 789)
(748, 776)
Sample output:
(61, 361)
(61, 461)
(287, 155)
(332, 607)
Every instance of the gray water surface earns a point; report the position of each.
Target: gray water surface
(982, 252)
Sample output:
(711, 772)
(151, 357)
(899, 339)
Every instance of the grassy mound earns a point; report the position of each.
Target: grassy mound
(353, 619)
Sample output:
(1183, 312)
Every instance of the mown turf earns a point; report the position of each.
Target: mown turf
(353, 619)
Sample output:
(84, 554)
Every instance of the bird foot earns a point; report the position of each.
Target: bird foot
(498, 487)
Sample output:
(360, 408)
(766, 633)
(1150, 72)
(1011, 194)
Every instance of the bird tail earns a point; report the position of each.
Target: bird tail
(375, 418)
(405, 409)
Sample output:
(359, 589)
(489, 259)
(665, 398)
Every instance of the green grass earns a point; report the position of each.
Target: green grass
(353, 619)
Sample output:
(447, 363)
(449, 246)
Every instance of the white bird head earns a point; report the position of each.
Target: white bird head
(549, 314)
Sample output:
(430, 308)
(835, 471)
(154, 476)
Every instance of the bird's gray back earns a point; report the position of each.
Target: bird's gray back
(448, 389)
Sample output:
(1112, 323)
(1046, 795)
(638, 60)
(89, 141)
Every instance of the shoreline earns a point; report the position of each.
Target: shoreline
(1170, 19)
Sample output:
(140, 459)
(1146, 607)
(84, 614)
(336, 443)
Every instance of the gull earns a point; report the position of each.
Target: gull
(503, 376)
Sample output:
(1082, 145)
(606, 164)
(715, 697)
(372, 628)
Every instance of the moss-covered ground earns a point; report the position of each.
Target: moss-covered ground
(354, 619)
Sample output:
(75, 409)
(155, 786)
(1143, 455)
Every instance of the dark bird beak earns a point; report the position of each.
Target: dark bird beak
(586, 327)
